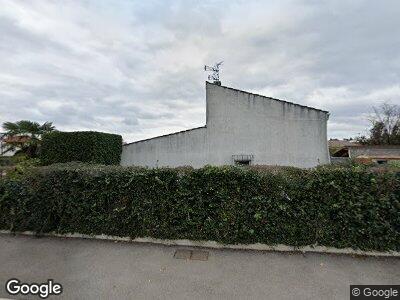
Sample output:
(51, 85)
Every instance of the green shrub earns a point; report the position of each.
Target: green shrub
(6, 161)
(83, 146)
(23, 167)
(338, 207)
(394, 163)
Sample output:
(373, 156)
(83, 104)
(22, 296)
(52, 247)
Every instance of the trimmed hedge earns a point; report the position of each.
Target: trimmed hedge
(338, 207)
(82, 146)
(6, 161)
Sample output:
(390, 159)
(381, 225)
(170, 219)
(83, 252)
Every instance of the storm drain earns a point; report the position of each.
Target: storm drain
(191, 254)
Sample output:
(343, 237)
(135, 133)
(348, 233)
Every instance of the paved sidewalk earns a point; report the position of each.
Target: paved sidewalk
(90, 269)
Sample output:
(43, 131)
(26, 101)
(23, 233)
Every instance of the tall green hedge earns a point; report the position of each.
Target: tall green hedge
(6, 161)
(83, 146)
(339, 207)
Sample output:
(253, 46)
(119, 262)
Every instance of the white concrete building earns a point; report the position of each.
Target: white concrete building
(241, 128)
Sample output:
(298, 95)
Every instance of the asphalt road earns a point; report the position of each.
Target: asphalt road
(90, 269)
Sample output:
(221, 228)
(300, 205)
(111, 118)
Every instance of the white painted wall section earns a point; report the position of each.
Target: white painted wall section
(273, 131)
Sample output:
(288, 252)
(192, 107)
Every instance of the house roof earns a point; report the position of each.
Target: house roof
(335, 143)
(15, 139)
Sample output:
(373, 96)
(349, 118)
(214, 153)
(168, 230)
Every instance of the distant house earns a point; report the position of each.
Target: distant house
(342, 150)
(16, 140)
(3, 146)
(339, 148)
(380, 154)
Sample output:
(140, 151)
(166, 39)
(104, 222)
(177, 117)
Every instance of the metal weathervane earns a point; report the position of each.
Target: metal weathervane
(215, 72)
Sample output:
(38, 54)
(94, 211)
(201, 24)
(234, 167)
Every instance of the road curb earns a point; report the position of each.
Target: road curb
(216, 245)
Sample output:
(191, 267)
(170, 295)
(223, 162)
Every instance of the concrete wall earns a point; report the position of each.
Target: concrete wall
(339, 160)
(374, 151)
(273, 131)
(186, 148)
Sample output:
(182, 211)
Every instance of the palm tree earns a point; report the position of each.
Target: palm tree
(25, 136)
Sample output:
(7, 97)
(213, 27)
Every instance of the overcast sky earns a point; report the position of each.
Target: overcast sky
(136, 67)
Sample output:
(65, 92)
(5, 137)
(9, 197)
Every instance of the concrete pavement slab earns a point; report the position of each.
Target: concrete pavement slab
(94, 269)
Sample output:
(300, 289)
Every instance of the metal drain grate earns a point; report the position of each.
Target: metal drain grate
(191, 254)
(183, 254)
(199, 255)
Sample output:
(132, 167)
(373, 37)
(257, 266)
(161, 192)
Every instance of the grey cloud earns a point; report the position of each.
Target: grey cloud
(14, 38)
(136, 67)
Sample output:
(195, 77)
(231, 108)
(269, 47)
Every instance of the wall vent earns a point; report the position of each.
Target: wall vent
(243, 159)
